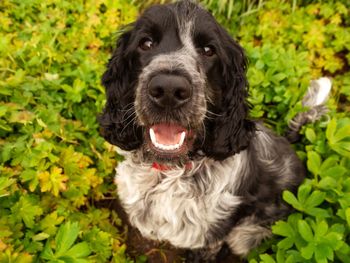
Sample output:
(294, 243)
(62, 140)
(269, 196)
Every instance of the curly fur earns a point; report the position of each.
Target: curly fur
(231, 191)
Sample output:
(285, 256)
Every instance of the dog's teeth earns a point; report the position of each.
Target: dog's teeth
(166, 147)
(182, 139)
(153, 136)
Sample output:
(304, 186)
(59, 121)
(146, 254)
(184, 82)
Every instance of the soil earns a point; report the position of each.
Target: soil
(156, 252)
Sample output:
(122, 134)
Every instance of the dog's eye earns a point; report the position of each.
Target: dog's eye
(146, 44)
(208, 51)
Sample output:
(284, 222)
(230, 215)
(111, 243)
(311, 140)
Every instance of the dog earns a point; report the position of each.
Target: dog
(197, 172)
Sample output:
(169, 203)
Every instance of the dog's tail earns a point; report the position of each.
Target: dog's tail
(314, 99)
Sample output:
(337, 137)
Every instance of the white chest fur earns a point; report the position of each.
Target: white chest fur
(180, 205)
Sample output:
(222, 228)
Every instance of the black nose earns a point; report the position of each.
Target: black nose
(169, 91)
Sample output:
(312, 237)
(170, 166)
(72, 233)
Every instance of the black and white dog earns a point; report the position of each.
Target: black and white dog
(197, 172)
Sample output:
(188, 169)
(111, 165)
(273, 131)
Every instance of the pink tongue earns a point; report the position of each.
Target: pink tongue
(168, 134)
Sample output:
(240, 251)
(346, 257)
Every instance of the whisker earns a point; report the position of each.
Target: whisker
(208, 117)
(132, 120)
(128, 107)
(204, 133)
(214, 114)
(132, 114)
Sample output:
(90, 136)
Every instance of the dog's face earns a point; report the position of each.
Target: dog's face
(176, 85)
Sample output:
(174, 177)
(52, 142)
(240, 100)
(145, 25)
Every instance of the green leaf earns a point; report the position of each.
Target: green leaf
(65, 237)
(313, 162)
(315, 199)
(53, 181)
(26, 209)
(343, 148)
(333, 240)
(322, 252)
(47, 253)
(48, 224)
(310, 135)
(338, 228)
(294, 256)
(321, 229)
(79, 250)
(328, 183)
(305, 231)
(5, 183)
(278, 77)
(267, 258)
(99, 242)
(341, 134)
(286, 243)
(338, 136)
(259, 64)
(291, 199)
(331, 127)
(347, 216)
(317, 212)
(343, 252)
(336, 172)
(41, 236)
(303, 193)
(308, 251)
(329, 163)
(282, 228)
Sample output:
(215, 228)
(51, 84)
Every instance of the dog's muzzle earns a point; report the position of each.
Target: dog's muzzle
(171, 104)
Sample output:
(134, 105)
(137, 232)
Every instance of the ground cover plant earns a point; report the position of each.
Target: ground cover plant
(55, 169)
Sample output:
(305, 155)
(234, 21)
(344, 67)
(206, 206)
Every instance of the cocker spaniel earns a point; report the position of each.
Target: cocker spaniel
(197, 172)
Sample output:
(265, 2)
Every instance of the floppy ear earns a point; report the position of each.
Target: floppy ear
(230, 132)
(117, 120)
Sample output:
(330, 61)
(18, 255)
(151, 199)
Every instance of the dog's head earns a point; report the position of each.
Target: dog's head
(176, 85)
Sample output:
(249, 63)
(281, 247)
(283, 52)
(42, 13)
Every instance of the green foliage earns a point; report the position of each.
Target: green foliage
(231, 12)
(64, 248)
(54, 166)
(53, 163)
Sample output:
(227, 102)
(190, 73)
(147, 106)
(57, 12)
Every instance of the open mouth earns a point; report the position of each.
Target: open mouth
(168, 138)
